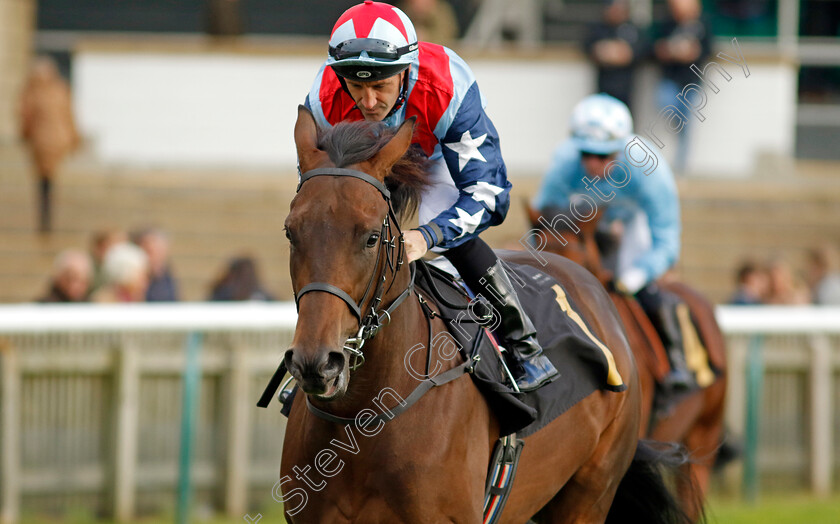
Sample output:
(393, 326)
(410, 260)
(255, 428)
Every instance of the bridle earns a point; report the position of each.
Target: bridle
(393, 246)
(370, 324)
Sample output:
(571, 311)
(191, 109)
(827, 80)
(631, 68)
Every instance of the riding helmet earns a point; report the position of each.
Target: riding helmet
(601, 124)
(372, 41)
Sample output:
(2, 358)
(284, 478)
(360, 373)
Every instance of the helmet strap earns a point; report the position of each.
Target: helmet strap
(403, 93)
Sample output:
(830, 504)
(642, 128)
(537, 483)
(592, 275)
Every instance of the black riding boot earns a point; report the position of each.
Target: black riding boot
(529, 366)
(667, 324)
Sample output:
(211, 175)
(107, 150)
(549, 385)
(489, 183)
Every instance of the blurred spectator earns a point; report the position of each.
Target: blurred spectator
(126, 269)
(615, 45)
(434, 20)
(785, 288)
(48, 128)
(240, 282)
(684, 38)
(753, 285)
(162, 286)
(824, 275)
(100, 243)
(224, 18)
(70, 278)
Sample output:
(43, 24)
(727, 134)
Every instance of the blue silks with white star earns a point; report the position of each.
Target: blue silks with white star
(443, 93)
(471, 151)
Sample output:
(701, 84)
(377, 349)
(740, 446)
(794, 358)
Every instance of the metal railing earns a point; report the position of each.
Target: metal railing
(127, 410)
(784, 391)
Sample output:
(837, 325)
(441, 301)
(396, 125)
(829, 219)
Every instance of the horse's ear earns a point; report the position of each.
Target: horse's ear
(393, 150)
(533, 214)
(306, 139)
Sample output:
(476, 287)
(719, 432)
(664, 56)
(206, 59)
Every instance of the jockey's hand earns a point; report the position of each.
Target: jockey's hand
(415, 244)
(631, 281)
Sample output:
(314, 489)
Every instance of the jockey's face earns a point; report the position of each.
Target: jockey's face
(375, 99)
(596, 164)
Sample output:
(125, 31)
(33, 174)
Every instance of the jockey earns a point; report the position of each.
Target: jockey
(641, 201)
(378, 71)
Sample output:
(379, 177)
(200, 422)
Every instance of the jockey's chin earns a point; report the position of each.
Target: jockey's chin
(376, 114)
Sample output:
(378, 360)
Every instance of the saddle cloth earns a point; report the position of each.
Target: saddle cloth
(585, 364)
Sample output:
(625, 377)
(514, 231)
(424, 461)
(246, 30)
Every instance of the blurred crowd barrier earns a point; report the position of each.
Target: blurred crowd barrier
(186, 105)
(92, 404)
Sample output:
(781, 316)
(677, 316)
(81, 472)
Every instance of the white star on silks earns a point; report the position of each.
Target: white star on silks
(484, 192)
(466, 222)
(467, 148)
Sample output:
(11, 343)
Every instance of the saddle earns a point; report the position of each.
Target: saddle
(584, 363)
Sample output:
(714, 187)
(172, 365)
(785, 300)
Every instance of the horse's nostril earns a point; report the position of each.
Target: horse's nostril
(288, 359)
(335, 362)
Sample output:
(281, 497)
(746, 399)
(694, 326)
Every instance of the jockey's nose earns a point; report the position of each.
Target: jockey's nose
(368, 98)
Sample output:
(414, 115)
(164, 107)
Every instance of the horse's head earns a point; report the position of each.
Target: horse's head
(561, 234)
(346, 249)
(561, 237)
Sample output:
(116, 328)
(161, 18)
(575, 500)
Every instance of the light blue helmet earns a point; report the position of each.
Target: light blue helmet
(601, 124)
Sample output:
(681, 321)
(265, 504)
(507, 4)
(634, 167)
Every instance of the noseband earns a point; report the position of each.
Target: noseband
(372, 322)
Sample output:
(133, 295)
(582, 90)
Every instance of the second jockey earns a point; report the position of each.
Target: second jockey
(378, 71)
(644, 203)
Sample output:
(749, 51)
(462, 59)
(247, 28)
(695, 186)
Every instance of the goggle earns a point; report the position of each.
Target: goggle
(374, 47)
(601, 156)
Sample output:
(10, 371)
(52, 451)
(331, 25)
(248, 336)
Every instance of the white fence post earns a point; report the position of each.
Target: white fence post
(10, 436)
(736, 403)
(125, 431)
(237, 452)
(822, 373)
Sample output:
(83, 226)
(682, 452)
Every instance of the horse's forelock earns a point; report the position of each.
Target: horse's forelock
(349, 143)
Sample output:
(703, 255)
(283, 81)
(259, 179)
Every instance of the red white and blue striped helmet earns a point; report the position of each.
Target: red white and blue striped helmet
(371, 41)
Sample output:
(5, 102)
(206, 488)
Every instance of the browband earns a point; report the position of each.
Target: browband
(340, 171)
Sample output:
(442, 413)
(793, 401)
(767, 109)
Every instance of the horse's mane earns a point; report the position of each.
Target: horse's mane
(349, 143)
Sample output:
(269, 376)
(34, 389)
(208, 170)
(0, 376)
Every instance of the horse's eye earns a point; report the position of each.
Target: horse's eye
(373, 240)
(288, 234)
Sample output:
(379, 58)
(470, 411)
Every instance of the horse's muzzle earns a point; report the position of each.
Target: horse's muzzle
(318, 373)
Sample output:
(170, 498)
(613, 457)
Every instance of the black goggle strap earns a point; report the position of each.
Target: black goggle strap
(374, 47)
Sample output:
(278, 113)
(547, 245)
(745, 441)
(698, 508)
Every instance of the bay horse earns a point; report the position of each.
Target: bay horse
(696, 419)
(347, 456)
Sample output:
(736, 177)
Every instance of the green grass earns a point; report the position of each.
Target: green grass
(769, 509)
(775, 509)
